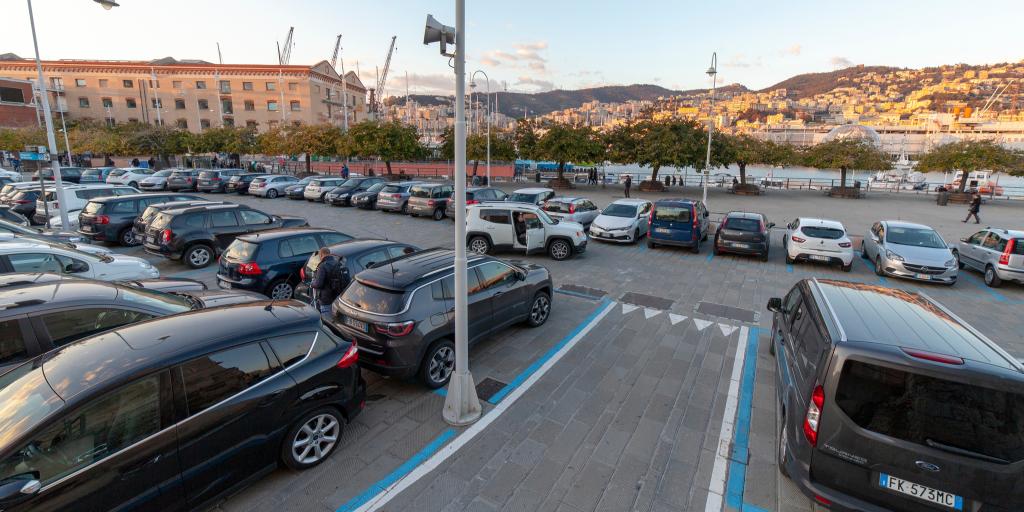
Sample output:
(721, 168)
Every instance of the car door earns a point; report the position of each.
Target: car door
(535, 236)
(644, 217)
(254, 220)
(480, 314)
(501, 284)
(970, 249)
(293, 253)
(871, 241)
(18, 342)
(989, 250)
(224, 227)
(233, 403)
(787, 322)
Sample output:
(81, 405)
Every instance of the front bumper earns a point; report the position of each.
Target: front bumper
(919, 273)
(337, 200)
(152, 186)
(609, 235)
(580, 247)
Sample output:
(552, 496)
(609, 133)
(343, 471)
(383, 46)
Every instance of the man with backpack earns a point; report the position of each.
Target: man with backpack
(329, 280)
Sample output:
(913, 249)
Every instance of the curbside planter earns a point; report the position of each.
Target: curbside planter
(746, 189)
(960, 197)
(651, 186)
(846, 192)
(560, 183)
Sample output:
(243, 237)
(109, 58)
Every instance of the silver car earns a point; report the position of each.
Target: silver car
(394, 197)
(998, 253)
(908, 250)
(271, 186)
(572, 209)
(158, 181)
(625, 220)
(318, 188)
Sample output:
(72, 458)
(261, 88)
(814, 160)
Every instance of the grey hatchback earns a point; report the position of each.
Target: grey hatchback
(997, 253)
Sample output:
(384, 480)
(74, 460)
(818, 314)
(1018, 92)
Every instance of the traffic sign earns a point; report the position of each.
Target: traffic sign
(42, 157)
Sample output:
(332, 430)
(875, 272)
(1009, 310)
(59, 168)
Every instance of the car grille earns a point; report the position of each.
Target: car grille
(923, 269)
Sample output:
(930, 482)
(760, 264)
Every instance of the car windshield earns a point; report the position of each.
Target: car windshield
(742, 224)
(161, 174)
(372, 299)
(117, 172)
(181, 173)
(27, 399)
(546, 218)
(148, 213)
(161, 221)
(820, 232)
(306, 181)
(241, 250)
(420, 191)
(519, 197)
(620, 210)
(916, 237)
(376, 187)
(393, 189)
(208, 174)
(167, 302)
(257, 181)
(92, 207)
(92, 172)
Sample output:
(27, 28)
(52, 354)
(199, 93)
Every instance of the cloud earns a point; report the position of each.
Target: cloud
(490, 61)
(840, 62)
(523, 56)
(543, 85)
(792, 50)
(439, 83)
(741, 61)
(538, 45)
(538, 66)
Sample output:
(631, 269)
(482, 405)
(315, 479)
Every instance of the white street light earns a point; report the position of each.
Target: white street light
(108, 4)
(461, 405)
(472, 83)
(713, 73)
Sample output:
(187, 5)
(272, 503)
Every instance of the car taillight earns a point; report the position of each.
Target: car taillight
(845, 244)
(801, 240)
(166, 236)
(396, 329)
(102, 219)
(932, 356)
(813, 418)
(350, 358)
(302, 273)
(572, 208)
(695, 219)
(188, 180)
(472, 201)
(760, 224)
(22, 201)
(214, 179)
(430, 202)
(1004, 258)
(250, 269)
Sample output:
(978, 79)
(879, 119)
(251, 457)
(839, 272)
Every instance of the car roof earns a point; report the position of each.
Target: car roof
(358, 245)
(273, 175)
(567, 199)
(630, 202)
(669, 201)
(1011, 233)
(428, 184)
(276, 234)
(823, 223)
(171, 205)
(406, 271)
(206, 208)
(114, 356)
(76, 186)
(533, 190)
(499, 204)
(905, 224)
(129, 197)
(744, 215)
(14, 279)
(12, 299)
(878, 314)
(15, 243)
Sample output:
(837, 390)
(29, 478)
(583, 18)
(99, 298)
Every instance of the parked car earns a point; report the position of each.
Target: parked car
(342, 194)
(10, 189)
(476, 195)
(298, 190)
(889, 401)
(46, 315)
(997, 253)
(21, 255)
(572, 209)
(239, 183)
(429, 199)
(911, 251)
(271, 186)
(75, 198)
(95, 175)
(625, 220)
(111, 219)
(183, 179)
(818, 240)
(198, 234)
(52, 237)
(9, 174)
(9, 215)
(678, 222)
(318, 188)
(359, 255)
(536, 195)
(4, 180)
(215, 180)
(158, 181)
(394, 197)
(400, 316)
(67, 174)
(142, 221)
(23, 202)
(259, 384)
(160, 284)
(367, 199)
(521, 227)
(268, 262)
(49, 235)
(744, 233)
(130, 176)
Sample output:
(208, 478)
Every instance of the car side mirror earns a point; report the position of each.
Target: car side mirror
(775, 304)
(18, 489)
(770, 225)
(521, 275)
(706, 215)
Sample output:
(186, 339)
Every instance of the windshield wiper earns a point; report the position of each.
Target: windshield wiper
(966, 453)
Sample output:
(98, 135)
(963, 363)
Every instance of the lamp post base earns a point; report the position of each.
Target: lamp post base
(461, 405)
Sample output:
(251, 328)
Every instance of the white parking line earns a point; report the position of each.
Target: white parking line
(716, 489)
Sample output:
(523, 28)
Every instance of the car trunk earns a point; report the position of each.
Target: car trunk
(956, 439)
(824, 239)
(238, 255)
(209, 178)
(560, 210)
(1015, 254)
(672, 223)
(87, 219)
(741, 230)
(370, 303)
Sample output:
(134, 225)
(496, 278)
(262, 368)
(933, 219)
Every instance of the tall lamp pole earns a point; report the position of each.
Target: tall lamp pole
(472, 83)
(713, 73)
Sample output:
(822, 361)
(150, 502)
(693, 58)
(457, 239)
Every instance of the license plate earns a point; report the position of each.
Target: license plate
(919, 491)
(356, 324)
(740, 245)
(922, 276)
(224, 284)
(150, 239)
(663, 230)
(816, 257)
(86, 227)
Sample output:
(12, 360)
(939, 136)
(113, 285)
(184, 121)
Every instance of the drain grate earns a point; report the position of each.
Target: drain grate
(649, 301)
(723, 311)
(486, 388)
(583, 291)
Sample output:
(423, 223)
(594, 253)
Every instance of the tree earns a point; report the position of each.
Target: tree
(502, 147)
(845, 154)
(312, 139)
(388, 141)
(564, 143)
(160, 141)
(970, 155)
(525, 139)
(745, 149)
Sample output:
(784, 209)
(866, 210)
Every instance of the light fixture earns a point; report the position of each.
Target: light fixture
(108, 4)
(436, 32)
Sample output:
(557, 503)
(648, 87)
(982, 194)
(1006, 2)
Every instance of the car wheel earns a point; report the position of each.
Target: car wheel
(127, 237)
(559, 250)
(636, 236)
(312, 439)
(438, 364)
(863, 251)
(783, 452)
(133, 184)
(764, 257)
(956, 256)
(696, 248)
(272, 194)
(878, 267)
(651, 244)
(405, 209)
(280, 289)
(479, 245)
(992, 278)
(789, 260)
(198, 256)
(439, 214)
(848, 268)
(540, 310)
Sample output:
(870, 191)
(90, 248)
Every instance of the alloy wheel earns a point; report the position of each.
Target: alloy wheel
(199, 257)
(479, 245)
(315, 439)
(540, 310)
(559, 250)
(281, 291)
(128, 238)
(441, 364)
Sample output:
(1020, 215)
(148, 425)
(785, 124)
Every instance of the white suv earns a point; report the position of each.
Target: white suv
(521, 227)
(77, 196)
(819, 240)
(130, 176)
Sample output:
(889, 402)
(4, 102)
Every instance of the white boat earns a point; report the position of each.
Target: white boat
(979, 180)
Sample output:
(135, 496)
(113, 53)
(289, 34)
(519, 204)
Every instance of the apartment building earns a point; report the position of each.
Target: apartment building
(195, 95)
(17, 109)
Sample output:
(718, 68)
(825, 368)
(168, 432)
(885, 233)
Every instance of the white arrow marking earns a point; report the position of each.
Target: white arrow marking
(651, 313)
(701, 324)
(675, 319)
(727, 329)
(628, 308)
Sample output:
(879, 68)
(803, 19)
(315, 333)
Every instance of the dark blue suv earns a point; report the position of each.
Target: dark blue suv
(679, 222)
(269, 262)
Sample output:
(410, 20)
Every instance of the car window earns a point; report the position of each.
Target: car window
(291, 348)
(253, 217)
(810, 343)
(12, 342)
(790, 307)
(494, 274)
(396, 251)
(196, 221)
(372, 299)
(223, 219)
(472, 282)
(420, 191)
(742, 224)
(531, 220)
(822, 232)
(495, 216)
(35, 262)
(107, 424)
(242, 250)
(122, 207)
(992, 242)
(976, 238)
(67, 326)
(212, 378)
(302, 245)
(377, 256)
(672, 213)
(334, 238)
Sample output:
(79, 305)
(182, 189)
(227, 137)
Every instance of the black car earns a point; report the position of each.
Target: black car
(183, 179)
(160, 284)
(215, 180)
(477, 195)
(401, 314)
(111, 219)
(744, 233)
(176, 416)
(359, 255)
(297, 190)
(367, 199)
(239, 183)
(67, 174)
(198, 234)
(46, 235)
(39, 317)
(140, 223)
(9, 215)
(341, 195)
(888, 401)
(23, 202)
(269, 261)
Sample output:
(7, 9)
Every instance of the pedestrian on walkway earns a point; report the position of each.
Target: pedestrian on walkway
(629, 183)
(135, 162)
(152, 163)
(344, 171)
(328, 280)
(974, 208)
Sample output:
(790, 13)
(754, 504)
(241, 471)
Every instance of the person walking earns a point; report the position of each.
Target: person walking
(344, 171)
(135, 162)
(629, 183)
(152, 163)
(327, 280)
(974, 208)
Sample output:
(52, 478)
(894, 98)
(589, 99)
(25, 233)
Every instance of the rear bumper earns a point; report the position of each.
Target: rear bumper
(799, 474)
(1010, 274)
(99, 235)
(398, 362)
(209, 188)
(834, 258)
(421, 209)
(162, 251)
(250, 284)
(390, 206)
(750, 248)
(653, 237)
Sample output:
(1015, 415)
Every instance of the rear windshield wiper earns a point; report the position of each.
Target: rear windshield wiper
(966, 453)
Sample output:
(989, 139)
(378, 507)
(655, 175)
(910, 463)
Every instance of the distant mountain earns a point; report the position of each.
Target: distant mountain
(809, 84)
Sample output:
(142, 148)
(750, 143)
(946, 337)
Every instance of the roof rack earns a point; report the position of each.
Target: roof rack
(208, 207)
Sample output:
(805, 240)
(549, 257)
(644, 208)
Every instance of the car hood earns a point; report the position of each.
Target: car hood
(214, 298)
(92, 249)
(155, 179)
(567, 227)
(168, 284)
(611, 222)
(933, 257)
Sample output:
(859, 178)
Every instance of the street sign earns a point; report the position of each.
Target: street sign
(35, 149)
(41, 157)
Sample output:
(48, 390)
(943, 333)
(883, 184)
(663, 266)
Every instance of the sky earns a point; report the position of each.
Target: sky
(532, 45)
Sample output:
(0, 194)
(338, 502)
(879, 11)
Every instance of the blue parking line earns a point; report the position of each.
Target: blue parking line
(974, 280)
(711, 256)
(380, 485)
(789, 268)
(741, 436)
(871, 265)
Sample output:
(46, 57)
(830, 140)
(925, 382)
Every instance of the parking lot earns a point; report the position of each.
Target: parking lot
(650, 388)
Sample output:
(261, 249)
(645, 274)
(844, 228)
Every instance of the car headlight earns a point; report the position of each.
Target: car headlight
(951, 263)
(893, 256)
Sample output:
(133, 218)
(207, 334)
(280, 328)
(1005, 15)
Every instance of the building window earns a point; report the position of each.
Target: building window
(83, 102)
(229, 121)
(12, 95)
(108, 103)
(154, 84)
(179, 104)
(251, 124)
(176, 84)
(130, 102)
(250, 105)
(157, 103)
(79, 82)
(200, 84)
(271, 86)
(293, 86)
(204, 105)
(225, 86)
(182, 123)
(272, 124)
(111, 122)
(204, 123)
(294, 105)
(128, 84)
(104, 82)
(57, 83)
(227, 107)
(272, 105)
(246, 86)
(133, 120)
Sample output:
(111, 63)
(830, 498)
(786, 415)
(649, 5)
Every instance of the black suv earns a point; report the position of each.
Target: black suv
(744, 233)
(401, 315)
(215, 180)
(342, 194)
(140, 223)
(269, 261)
(37, 318)
(110, 219)
(888, 401)
(176, 415)
(198, 234)
(239, 183)
(359, 255)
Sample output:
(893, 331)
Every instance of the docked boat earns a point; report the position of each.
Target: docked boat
(979, 180)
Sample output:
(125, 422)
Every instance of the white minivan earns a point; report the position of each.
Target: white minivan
(75, 197)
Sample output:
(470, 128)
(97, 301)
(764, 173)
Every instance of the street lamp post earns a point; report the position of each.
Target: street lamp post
(472, 83)
(713, 73)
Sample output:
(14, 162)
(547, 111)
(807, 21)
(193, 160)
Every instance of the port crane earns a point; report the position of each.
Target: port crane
(283, 58)
(344, 86)
(377, 93)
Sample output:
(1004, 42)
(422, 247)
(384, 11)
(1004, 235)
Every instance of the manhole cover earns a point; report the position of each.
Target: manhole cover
(650, 301)
(723, 311)
(486, 388)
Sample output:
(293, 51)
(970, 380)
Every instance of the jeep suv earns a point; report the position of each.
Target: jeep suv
(521, 227)
(215, 180)
(198, 234)
(401, 315)
(888, 401)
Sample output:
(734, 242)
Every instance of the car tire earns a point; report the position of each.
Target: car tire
(863, 251)
(133, 184)
(651, 245)
(198, 256)
(848, 268)
(439, 214)
(878, 267)
(272, 194)
(312, 439)
(479, 244)
(127, 237)
(764, 257)
(540, 310)
(438, 364)
(696, 248)
(789, 260)
(636, 236)
(559, 250)
(782, 453)
(405, 209)
(959, 264)
(280, 289)
(992, 278)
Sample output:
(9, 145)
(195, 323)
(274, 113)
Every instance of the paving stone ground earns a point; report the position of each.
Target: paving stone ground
(629, 419)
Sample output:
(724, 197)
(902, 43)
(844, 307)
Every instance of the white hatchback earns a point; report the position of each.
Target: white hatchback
(36, 256)
(130, 176)
(818, 240)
